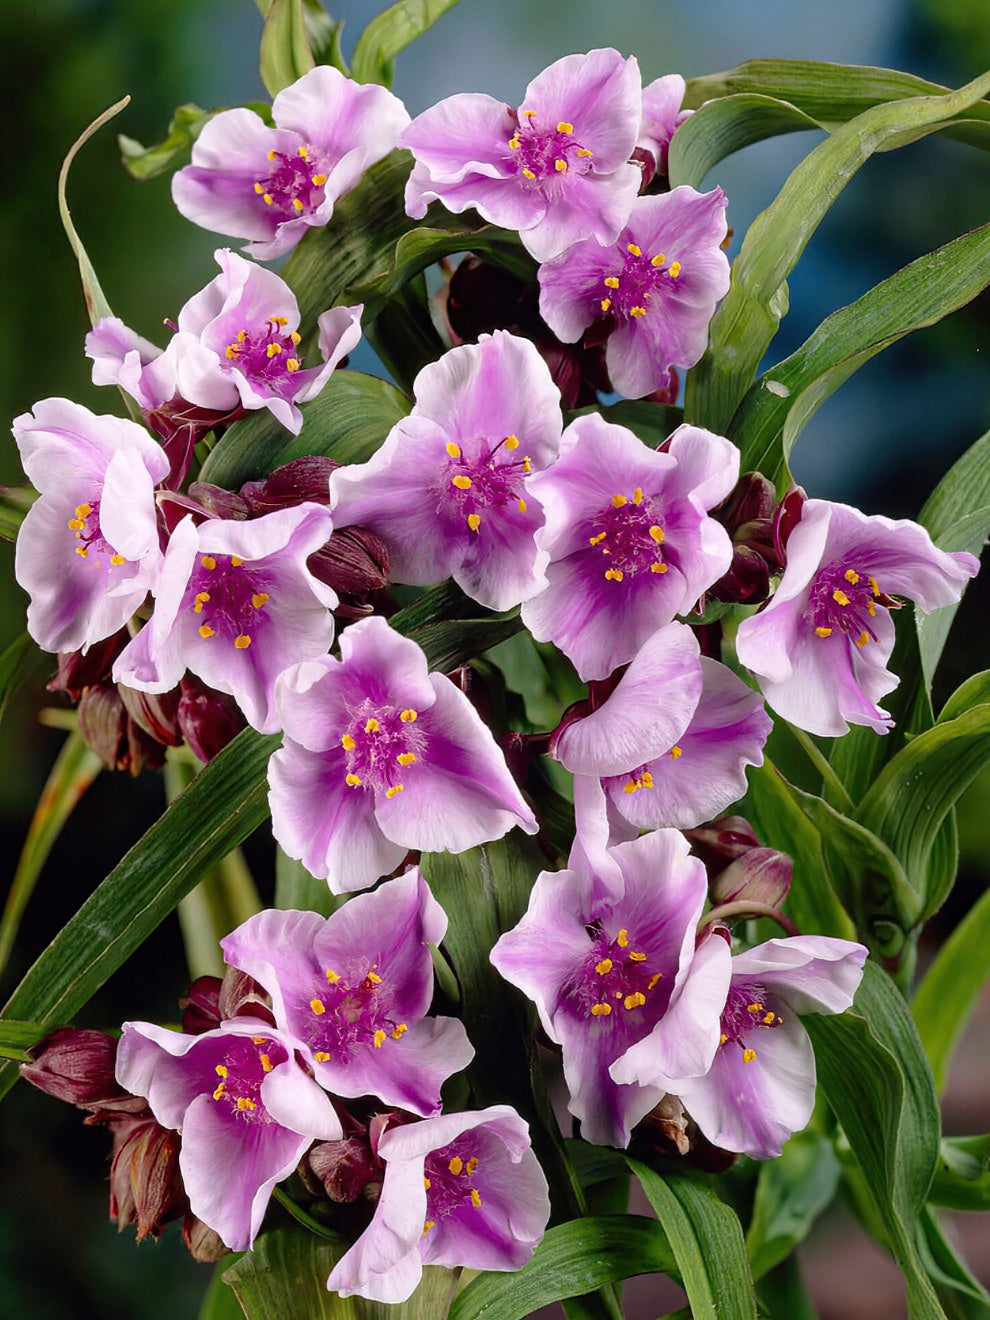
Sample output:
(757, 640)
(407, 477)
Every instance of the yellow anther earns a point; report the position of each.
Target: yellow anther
(659, 568)
(635, 249)
(81, 551)
(219, 1091)
(658, 260)
(83, 510)
(611, 282)
(604, 967)
(117, 560)
(242, 641)
(636, 956)
(871, 609)
(241, 336)
(426, 1182)
(319, 180)
(347, 742)
(406, 758)
(600, 1010)
(840, 597)
(236, 561)
(268, 199)
(863, 638)
(352, 781)
(205, 630)
(823, 632)
(522, 506)
(371, 725)
(560, 166)
(332, 976)
(674, 269)
(474, 521)
(874, 584)
(396, 788)
(722, 1039)
(453, 450)
(318, 1007)
(637, 311)
(618, 501)
(272, 154)
(291, 364)
(208, 562)
(676, 752)
(597, 540)
(528, 174)
(515, 142)
(768, 1019)
(259, 188)
(749, 1056)
(273, 350)
(304, 153)
(244, 1103)
(631, 785)
(428, 1224)
(530, 114)
(266, 1063)
(583, 152)
(653, 980)
(527, 464)
(656, 533)
(646, 780)
(221, 1070)
(408, 716)
(295, 336)
(200, 599)
(851, 576)
(456, 1165)
(565, 127)
(297, 204)
(259, 1040)
(637, 497)
(379, 1038)
(475, 1198)
(636, 1000)
(622, 939)
(259, 599)
(472, 1164)
(511, 442)
(321, 1056)
(374, 978)
(461, 481)
(605, 304)
(754, 1008)
(613, 575)
(399, 1030)
(76, 524)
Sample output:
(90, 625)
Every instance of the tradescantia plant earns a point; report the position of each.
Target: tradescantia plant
(509, 665)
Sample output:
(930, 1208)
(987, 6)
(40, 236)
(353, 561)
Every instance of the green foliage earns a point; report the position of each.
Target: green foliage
(389, 34)
(285, 52)
(791, 1192)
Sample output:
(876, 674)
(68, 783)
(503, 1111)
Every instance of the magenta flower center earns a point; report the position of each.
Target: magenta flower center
(746, 1011)
(844, 600)
(481, 477)
(628, 536)
(92, 546)
(381, 745)
(228, 599)
(449, 1175)
(615, 977)
(266, 355)
(294, 185)
(351, 1007)
(246, 1063)
(631, 290)
(542, 154)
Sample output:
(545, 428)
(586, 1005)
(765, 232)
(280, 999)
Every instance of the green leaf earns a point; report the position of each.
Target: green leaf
(963, 1296)
(14, 504)
(875, 1077)
(833, 93)
(172, 152)
(957, 514)
(296, 888)
(219, 1303)
(724, 126)
(323, 34)
(16, 1038)
(962, 1178)
(706, 1239)
(75, 768)
(285, 52)
(347, 421)
(390, 33)
(781, 1292)
(215, 814)
(19, 664)
(780, 403)
(96, 303)
(951, 987)
(747, 319)
(573, 1259)
(285, 1275)
(791, 1192)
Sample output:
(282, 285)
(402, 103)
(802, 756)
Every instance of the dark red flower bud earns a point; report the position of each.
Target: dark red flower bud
(241, 995)
(220, 503)
(345, 1167)
(301, 480)
(787, 517)
(201, 1006)
(77, 671)
(145, 1184)
(748, 578)
(117, 740)
(204, 1244)
(355, 562)
(759, 875)
(647, 163)
(719, 842)
(155, 713)
(75, 1065)
(754, 499)
(208, 719)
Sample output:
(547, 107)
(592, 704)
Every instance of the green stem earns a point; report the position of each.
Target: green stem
(302, 1217)
(817, 758)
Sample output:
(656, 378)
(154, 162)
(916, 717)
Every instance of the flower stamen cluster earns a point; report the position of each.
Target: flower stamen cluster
(632, 285)
(844, 600)
(542, 154)
(293, 185)
(613, 974)
(478, 482)
(745, 1012)
(380, 742)
(229, 600)
(266, 353)
(450, 1184)
(246, 1063)
(629, 535)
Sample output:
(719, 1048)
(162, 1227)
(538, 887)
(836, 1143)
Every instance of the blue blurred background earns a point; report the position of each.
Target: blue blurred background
(882, 442)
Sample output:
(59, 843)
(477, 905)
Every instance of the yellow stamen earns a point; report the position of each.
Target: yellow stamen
(658, 260)
(406, 758)
(428, 1224)
(352, 781)
(637, 311)
(768, 1019)
(297, 204)
(268, 199)
(242, 641)
(514, 142)
(874, 584)
(200, 600)
(272, 154)
(565, 127)
(332, 976)
(560, 166)
(618, 501)
(319, 180)
(754, 1008)
(636, 956)
(474, 521)
(273, 350)
(530, 114)
(426, 1182)
(304, 153)
(613, 574)
(208, 562)
(475, 1198)
(851, 576)
(635, 249)
(749, 1056)
(117, 560)
(527, 464)
(611, 282)
(396, 788)
(408, 716)
(636, 1000)
(675, 269)
(653, 980)
(219, 1091)
(656, 533)
(231, 351)
(76, 524)
(347, 742)
(456, 1165)
(379, 1039)
(604, 967)
(823, 632)
(638, 495)
(259, 188)
(659, 568)
(291, 364)
(205, 630)
(318, 1007)
(461, 481)
(840, 597)
(528, 174)
(522, 506)
(236, 561)
(399, 1030)
(722, 1039)
(259, 598)
(373, 977)
(472, 1164)
(221, 1071)
(453, 450)
(600, 1010)
(244, 1103)
(266, 1063)
(371, 725)
(583, 151)
(597, 540)
(622, 939)
(512, 442)
(863, 638)
(605, 304)
(676, 752)
(321, 1056)
(871, 609)
(295, 336)
(241, 336)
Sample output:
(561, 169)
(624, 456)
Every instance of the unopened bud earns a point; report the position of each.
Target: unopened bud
(117, 740)
(355, 561)
(145, 1184)
(344, 1167)
(753, 499)
(201, 1006)
(75, 1065)
(205, 1244)
(208, 719)
(241, 995)
(77, 670)
(787, 517)
(302, 480)
(719, 842)
(760, 875)
(154, 712)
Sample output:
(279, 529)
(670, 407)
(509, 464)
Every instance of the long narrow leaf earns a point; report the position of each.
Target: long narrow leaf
(285, 52)
(96, 303)
(725, 125)
(390, 33)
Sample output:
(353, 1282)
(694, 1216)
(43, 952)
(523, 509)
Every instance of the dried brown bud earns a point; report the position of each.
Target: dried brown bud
(145, 1184)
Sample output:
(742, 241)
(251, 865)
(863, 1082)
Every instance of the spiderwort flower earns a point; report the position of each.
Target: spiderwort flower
(662, 117)
(272, 184)
(459, 1190)
(236, 347)
(246, 1109)
(629, 538)
(381, 756)
(88, 549)
(352, 992)
(236, 604)
(705, 770)
(819, 650)
(556, 169)
(447, 489)
(651, 292)
(761, 1085)
(606, 954)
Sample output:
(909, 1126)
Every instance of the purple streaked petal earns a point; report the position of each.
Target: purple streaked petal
(600, 93)
(596, 205)
(812, 973)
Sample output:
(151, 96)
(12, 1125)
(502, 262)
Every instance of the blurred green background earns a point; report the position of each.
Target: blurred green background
(881, 442)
